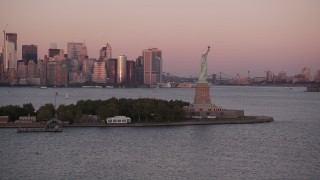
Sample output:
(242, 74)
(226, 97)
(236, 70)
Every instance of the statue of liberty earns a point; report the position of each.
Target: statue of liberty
(203, 67)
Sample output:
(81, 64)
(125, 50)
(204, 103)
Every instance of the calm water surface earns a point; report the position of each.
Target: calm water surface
(288, 148)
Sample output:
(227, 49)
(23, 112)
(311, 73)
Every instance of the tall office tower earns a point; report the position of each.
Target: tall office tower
(62, 76)
(112, 71)
(139, 70)
(99, 72)
(77, 51)
(122, 69)
(32, 70)
(42, 72)
(152, 59)
(108, 51)
(56, 54)
(86, 70)
(103, 53)
(57, 74)
(10, 51)
(21, 70)
(52, 71)
(103, 56)
(29, 52)
(131, 72)
(306, 73)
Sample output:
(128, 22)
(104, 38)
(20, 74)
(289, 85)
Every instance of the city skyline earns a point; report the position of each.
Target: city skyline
(253, 36)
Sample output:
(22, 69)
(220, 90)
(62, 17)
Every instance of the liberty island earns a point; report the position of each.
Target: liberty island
(159, 112)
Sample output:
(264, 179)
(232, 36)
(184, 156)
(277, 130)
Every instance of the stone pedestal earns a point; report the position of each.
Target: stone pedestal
(202, 95)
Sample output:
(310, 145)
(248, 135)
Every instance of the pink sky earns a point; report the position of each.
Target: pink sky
(246, 35)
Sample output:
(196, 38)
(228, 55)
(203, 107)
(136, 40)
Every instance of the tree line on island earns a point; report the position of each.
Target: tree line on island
(142, 110)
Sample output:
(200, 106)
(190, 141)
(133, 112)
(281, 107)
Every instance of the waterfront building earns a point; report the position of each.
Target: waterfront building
(269, 76)
(112, 71)
(57, 74)
(21, 70)
(52, 68)
(306, 73)
(10, 51)
(317, 76)
(99, 72)
(42, 72)
(26, 119)
(29, 52)
(77, 77)
(62, 76)
(281, 78)
(121, 69)
(152, 59)
(299, 78)
(238, 80)
(131, 72)
(74, 65)
(77, 50)
(87, 69)
(32, 70)
(118, 120)
(258, 79)
(11, 75)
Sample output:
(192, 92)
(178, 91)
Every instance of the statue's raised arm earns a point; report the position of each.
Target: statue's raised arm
(206, 54)
(204, 67)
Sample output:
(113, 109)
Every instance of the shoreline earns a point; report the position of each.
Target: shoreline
(245, 120)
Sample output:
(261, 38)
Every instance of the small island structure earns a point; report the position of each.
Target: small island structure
(202, 108)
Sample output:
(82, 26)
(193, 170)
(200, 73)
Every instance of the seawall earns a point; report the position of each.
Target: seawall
(243, 120)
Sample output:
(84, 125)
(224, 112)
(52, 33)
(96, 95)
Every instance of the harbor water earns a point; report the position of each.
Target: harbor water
(288, 148)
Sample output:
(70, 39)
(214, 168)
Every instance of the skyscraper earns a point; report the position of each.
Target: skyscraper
(29, 52)
(131, 72)
(152, 66)
(10, 51)
(108, 51)
(106, 55)
(56, 54)
(139, 70)
(112, 71)
(77, 50)
(122, 69)
(99, 72)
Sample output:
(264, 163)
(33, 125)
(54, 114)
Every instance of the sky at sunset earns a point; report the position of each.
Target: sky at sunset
(245, 35)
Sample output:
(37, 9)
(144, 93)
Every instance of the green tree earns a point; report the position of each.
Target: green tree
(137, 109)
(112, 110)
(44, 115)
(162, 111)
(46, 112)
(70, 113)
(28, 109)
(12, 111)
(102, 112)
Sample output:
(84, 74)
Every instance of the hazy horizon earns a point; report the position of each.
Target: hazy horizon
(247, 35)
